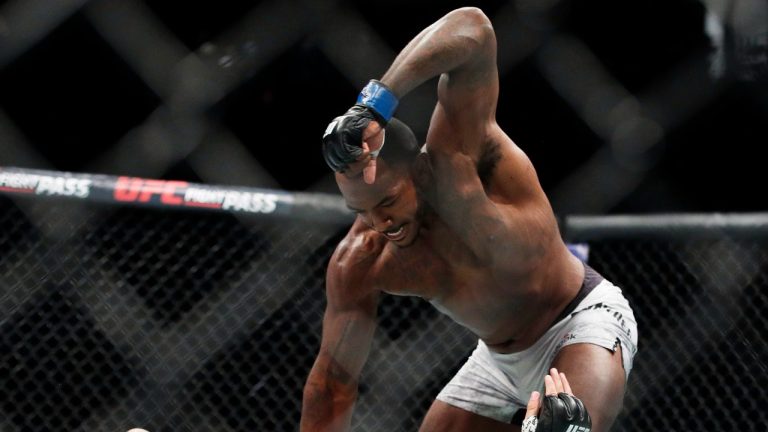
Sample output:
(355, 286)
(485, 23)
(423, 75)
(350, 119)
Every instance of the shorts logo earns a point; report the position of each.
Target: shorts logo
(567, 337)
(574, 428)
(616, 314)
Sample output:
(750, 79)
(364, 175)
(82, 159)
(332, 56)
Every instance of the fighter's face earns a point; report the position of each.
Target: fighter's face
(390, 205)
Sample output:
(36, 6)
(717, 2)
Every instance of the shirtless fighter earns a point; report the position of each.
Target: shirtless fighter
(464, 224)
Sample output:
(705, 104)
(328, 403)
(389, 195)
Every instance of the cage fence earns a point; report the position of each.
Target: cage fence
(171, 317)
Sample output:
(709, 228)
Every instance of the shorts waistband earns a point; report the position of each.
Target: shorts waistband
(591, 279)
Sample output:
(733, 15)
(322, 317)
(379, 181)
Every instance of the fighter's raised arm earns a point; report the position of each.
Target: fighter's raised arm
(483, 186)
(487, 210)
(461, 49)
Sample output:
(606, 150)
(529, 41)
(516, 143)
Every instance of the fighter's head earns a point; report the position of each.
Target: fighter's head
(391, 205)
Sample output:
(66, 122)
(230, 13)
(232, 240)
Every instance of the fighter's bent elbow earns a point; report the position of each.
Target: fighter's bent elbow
(323, 391)
(472, 16)
(325, 408)
(473, 23)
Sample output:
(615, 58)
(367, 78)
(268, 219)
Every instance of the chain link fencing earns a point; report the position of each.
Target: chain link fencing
(180, 320)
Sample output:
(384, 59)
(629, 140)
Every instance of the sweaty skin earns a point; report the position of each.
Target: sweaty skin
(479, 239)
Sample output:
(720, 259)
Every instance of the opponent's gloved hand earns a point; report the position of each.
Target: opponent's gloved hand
(343, 138)
(563, 413)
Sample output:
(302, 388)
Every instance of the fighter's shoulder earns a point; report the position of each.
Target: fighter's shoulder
(357, 255)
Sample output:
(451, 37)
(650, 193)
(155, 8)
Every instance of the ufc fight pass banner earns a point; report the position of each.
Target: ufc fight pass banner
(169, 194)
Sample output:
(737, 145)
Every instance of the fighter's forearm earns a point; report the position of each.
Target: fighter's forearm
(457, 39)
(325, 409)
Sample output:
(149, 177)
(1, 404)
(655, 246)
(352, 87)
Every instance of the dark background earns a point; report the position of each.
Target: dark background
(73, 97)
(115, 317)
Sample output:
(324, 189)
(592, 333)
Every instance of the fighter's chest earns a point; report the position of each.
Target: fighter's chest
(433, 270)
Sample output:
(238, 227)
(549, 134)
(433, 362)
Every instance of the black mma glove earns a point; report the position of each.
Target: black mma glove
(563, 413)
(343, 138)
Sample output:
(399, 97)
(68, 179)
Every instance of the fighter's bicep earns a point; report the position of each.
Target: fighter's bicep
(462, 123)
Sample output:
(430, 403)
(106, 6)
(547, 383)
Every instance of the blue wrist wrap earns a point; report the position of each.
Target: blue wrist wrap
(378, 98)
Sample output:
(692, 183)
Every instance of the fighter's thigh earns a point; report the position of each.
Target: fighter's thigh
(442, 417)
(596, 375)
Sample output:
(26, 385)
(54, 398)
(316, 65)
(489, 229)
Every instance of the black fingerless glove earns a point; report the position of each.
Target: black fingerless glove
(343, 138)
(563, 413)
